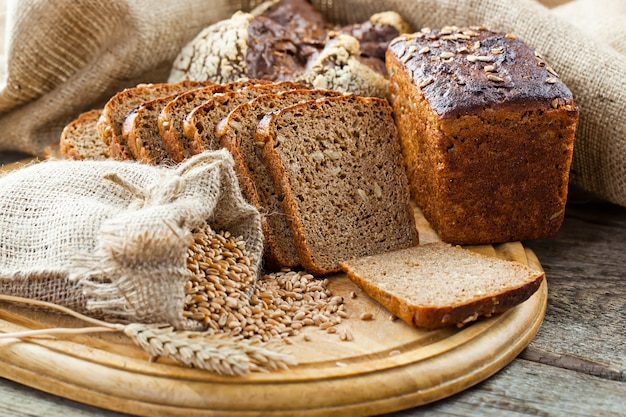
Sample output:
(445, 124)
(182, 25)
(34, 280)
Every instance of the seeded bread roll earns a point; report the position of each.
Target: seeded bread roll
(199, 125)
(116, 109)
(339, 67)
(487, 130)
(80, 139)
(375, 35)
(171, 118)
(436, 285)
(236, 133)
(336, 164)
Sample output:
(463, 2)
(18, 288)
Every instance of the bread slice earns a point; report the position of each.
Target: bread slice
(236, 133)
(118, 106)
(199, 125)
(141, 132)
(80, 139)
(436, 285)
(170, 120)
(337, 165)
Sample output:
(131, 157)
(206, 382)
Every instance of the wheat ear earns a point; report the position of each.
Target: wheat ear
(223, 354)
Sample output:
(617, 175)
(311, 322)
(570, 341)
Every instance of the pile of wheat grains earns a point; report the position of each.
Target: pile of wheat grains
(223, 295)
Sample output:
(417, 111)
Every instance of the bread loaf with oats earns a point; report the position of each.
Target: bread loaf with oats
(487, 130)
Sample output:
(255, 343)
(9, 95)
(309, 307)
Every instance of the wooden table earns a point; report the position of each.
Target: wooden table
(576, 364)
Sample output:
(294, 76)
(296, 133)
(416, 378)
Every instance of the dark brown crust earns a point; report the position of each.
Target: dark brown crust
(465, 83)
(493, 172)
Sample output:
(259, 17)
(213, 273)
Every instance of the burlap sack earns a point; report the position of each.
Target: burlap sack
(67, 56)
(109, 239)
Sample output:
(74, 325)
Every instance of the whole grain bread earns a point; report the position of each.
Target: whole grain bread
(118, 106)
(487, 130)
(80, 139)
(236, 133)
(436, 285)
(171, 118)
(337, 166)
(199, 125)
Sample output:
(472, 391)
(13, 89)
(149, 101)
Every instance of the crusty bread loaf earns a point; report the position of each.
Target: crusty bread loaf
(272, 42)
(337, 166)
(435, 285)
(487, 130)
(116, 109)
(236, 133)
(171, 118)
(80, 139)
(199, 125)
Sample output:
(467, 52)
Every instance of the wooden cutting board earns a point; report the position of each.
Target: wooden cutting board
(389, 366)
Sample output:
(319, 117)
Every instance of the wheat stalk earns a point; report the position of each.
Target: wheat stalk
(225, 355)
(222, 354)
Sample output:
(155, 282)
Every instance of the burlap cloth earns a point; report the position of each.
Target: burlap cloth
(67, 56)
(110, 239)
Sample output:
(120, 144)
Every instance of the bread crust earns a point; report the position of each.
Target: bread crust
(199, 124)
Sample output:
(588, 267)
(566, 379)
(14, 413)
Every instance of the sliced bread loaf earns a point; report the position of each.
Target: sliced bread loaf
(337, 165)
(80, 139)
(118, 106)
(236, 133)
(171, 118)
(436, 284)
(199, 125)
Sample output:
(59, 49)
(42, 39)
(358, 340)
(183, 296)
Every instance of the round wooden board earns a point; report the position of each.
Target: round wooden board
(389, 366)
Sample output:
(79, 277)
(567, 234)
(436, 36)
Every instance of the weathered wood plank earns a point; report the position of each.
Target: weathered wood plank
(585, 266)
(526, 388)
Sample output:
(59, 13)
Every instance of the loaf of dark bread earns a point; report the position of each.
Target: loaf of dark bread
(487, 130)
(336, 165)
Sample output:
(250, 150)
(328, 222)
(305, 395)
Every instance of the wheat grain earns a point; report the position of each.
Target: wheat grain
(223, 294)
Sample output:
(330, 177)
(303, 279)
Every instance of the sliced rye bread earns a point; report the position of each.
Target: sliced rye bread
(435, 285)
(337, 165)
(80, 139)
(199, 125)
(171, 118)
(118, 106)
(236, 133)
